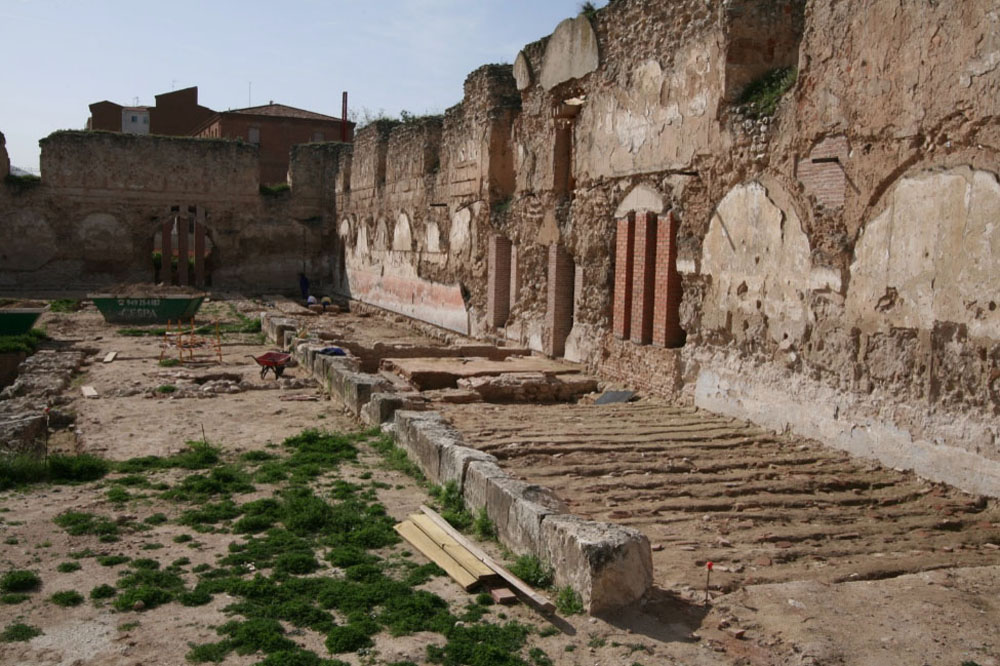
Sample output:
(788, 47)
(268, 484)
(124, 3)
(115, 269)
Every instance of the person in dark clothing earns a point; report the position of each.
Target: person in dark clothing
(304, 286)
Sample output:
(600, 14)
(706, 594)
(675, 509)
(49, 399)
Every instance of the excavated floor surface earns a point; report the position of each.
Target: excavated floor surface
(764, 508)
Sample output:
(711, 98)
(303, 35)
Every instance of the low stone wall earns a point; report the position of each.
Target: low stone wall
(609, 565)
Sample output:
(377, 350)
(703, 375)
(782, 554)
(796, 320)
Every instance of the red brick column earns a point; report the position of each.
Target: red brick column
(667, 330)
(559, 309)
(498, 281)
(643, 278)
(622, 312)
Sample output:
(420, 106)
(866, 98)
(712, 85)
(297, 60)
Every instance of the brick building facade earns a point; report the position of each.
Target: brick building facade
(274, 128)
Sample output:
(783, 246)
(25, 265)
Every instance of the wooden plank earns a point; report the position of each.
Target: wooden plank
(458, 552)
(425, 545)
(538, 600)
(110, 356)
(88, 391)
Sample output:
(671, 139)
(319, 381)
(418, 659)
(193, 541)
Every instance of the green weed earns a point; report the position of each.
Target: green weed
(20, 580)
(103, 592)
(112, 560)
(18, 632)
(568, 601)
(155, 519)
(482, 526)
(531, 570)
(68, 567)
(14, 598)
(762, 95)
(481, 644)
(67, 598)
(452, 506)
(118, 495)
(77, 523)
(169, 362)
(64, 305)
(395, 458)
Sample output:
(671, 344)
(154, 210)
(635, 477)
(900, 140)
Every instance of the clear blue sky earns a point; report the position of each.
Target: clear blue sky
(61, 55)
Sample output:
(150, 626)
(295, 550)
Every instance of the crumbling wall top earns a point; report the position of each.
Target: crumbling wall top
(4, 159)
(148, 163)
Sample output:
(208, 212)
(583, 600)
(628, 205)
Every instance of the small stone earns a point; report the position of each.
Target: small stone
(138, 605)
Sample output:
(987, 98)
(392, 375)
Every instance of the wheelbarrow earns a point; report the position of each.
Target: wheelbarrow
(274, 361)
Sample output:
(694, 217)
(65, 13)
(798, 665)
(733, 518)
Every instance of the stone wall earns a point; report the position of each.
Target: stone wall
(839, 248)
(4, 159)
(92, 221)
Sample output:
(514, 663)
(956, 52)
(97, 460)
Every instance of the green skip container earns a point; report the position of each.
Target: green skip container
(146, 309)
(18, 321)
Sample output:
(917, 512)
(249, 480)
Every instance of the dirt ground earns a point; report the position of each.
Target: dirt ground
(818, 559)
(130, 418)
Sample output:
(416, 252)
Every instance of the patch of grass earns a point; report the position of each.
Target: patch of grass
(275, 190)
(761, 96)
(79, 468)
(481, 644)
(11, 541)
(208, 514)
(14, 598)
(166, 388)
(213, 652)
(596, 642)
(64, 305)
(103, 592)
(347, 638)
(118, 495)
(112, 560)
(568, 601)
(538, 657)
(395, 458)
(77, 523)
(26, 343)
(182, 538)
(144, 563)
(451, 505)
(222, 480)
(149, 586)
(169, 362)
(20, 580)
(18, 632)
(532, 571)
(136, 480)
(196, 455)
(483, 527)
(67, 598)
(22, 470)
(68, 567)
(80, 554)
(155, 519)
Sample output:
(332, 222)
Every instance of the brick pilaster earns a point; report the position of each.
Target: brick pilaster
(498, 281)
(643, 278)
(622, 311)
(667, 330)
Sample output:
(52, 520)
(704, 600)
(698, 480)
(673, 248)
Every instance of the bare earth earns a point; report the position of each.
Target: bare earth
(818, 559)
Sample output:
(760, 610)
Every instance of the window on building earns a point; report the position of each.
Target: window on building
(145, 120)
(254, 135)
(134, 119)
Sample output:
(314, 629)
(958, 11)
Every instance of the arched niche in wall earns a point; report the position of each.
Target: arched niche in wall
(28, 242)
(105, 242)
(639, 199)
(402, 236)
(931, 254)
(183, 251)
(459, 240)
(381, 241)
(759, 260)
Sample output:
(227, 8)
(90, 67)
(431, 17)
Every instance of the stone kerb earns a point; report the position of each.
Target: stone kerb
(609, 565)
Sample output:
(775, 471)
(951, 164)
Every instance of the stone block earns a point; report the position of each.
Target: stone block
(382, 407)
(455, 459)
(609, 565)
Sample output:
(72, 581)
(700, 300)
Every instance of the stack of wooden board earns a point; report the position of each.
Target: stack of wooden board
(464, 561)
(444, 551)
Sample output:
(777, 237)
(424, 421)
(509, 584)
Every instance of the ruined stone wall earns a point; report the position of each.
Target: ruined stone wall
(415, 213)
(4, 159)
(835, 256)
(92, 221)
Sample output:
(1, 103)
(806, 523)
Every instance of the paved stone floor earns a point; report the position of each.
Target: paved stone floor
(762, 507)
